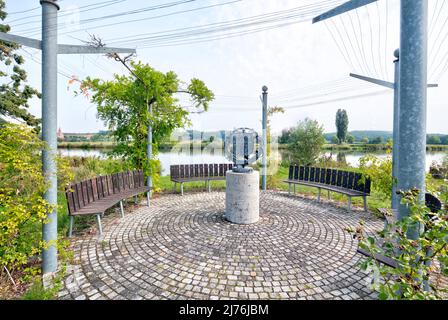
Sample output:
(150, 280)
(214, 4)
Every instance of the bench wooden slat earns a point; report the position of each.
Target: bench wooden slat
(306, 177)
(94, 186)
(345, 180)
(380, 258)
(110, 185)
(322, 176)
(312, 174)
(215, 170)
(339, 180)
(351, 179)
(328, 173)
(334, 175)
(70, 200)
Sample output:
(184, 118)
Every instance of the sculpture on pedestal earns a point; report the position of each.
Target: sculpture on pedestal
(242, 182)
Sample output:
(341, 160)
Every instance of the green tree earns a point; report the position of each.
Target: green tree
(285, 136)
(365, 140)
(350, 139)
(341, 125)
(434, 140)
(306, 143)
(123, 104)
(377, 140)
(335, 139)
(14, 93)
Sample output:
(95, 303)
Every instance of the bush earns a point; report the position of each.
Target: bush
(306, 142)
(415, 256)
(380, 171)
(439, 170)
(22, 207)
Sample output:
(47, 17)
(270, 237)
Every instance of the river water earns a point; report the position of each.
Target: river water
(170, 158)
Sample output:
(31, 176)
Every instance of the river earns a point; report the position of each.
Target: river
(169, 158)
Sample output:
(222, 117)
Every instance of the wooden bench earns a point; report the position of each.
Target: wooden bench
(198, 172)
(332, 180)
(94, 196)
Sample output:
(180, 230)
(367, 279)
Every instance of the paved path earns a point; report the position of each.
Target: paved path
(183, 248)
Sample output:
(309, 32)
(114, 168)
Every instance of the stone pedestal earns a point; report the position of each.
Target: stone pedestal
(242, 197)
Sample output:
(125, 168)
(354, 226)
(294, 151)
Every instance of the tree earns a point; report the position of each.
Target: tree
(307, 140)
(124, 102)
(271, 112)
(335, 139)
(434, 140)
(341, 125)
(377, 140)
(285, 137)
(14, 93)
(365, 140)
(350, 139)
(444, 140)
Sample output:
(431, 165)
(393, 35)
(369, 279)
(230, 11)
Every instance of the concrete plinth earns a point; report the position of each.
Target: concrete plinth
(242, 197)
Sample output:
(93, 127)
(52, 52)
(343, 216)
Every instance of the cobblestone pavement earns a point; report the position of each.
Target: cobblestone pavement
(183, 248)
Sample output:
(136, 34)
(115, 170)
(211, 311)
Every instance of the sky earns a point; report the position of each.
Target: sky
(305, 66)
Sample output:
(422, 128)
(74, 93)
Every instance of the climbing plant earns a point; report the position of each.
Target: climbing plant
(124, 105)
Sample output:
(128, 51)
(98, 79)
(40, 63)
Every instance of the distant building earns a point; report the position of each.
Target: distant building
(60, 134)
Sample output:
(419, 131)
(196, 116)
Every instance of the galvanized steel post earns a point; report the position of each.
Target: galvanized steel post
(395, 152)
(149, 152)
(49, 127)
(265, 138)
(413, 96)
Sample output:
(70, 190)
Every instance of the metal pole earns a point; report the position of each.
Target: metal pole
(413, 96)
(49, 127)
(149, 151)
(395, 158)
(265, 138)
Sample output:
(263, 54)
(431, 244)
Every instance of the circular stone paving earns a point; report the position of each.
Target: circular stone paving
(183, 248)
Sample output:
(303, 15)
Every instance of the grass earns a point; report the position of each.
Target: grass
(38, 292)
(275, 182)
(86, 145)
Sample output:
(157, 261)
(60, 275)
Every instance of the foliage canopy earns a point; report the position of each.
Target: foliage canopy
(306, 142)
(124, 105)
(14, 93)
(342, 125)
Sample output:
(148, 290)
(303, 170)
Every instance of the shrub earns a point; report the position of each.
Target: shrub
(306, 142)
(380, 171)
(415, 256)
(22, 207)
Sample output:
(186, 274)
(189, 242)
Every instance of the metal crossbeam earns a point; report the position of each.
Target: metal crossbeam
(343, 8)
(383, 83)
(63, 48)
(27, 42)
(379, 82)
(74, 49)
